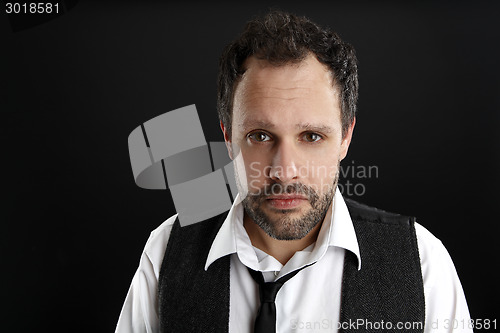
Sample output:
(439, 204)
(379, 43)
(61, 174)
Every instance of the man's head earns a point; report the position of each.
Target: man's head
(281, 39)
(287, 100)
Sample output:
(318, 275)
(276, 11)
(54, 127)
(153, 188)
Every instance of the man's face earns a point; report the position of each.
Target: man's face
(286, 126)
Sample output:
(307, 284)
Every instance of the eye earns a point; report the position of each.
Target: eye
(312, 137)
(259, 136)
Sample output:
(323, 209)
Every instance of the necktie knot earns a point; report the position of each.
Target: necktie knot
(268, 291)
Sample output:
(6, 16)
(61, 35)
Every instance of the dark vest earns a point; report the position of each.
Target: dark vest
(388, 288)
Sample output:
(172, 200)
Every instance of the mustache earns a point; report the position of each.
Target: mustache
(278, 189)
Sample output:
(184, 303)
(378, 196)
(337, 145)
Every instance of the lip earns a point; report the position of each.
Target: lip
(286, 197)
(286, 201)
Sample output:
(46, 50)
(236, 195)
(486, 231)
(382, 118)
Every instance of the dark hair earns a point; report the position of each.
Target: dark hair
(282, 38)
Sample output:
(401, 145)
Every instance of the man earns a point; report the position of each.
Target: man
(287, 101)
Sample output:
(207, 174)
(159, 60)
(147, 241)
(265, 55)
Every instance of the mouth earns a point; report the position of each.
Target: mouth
(286, 201)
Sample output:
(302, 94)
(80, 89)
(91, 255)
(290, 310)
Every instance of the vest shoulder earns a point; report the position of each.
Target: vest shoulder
(202, 226)
(161, 234)
(362, 212)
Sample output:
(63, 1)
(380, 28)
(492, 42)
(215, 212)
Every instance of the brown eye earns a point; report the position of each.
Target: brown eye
(312, 137)
(259, 137)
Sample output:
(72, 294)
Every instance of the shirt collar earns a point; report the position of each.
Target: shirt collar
(342, 232)
(337, 231)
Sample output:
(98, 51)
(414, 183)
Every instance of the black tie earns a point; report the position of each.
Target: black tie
(266, 316)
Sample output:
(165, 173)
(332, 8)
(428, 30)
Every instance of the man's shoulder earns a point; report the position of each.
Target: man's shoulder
(362, 212)
(429, 245)
(431, 249)
(158, 239)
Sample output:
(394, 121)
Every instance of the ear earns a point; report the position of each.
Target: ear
(227, 139)
(346, 140)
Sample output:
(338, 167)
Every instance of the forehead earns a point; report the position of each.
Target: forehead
(294, 95)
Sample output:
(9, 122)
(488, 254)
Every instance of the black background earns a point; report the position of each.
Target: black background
(73, 88)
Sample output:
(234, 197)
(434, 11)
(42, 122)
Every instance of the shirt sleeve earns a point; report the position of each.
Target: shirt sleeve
(445, 305)
(140, 311)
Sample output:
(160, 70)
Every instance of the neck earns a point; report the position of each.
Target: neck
(282, 250)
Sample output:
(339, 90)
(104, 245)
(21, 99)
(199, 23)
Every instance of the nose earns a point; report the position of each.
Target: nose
(284, 163)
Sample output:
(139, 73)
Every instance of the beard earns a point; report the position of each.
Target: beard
(282, 226)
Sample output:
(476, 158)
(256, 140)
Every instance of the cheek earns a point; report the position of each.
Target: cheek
(252, 169)
(257, 170)
(322, 176)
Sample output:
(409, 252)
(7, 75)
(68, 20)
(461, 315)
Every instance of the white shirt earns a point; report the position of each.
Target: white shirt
(309, 302)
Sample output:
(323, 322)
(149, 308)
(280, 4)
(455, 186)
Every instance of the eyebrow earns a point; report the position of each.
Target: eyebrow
(267, 125)
(256, 124)
(314, 128)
